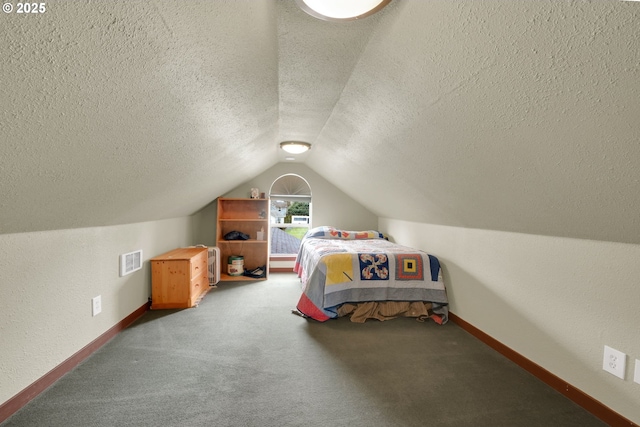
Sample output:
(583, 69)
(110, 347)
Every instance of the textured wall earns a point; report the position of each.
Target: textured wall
(119, 112)
(330, 206)
(507, 115)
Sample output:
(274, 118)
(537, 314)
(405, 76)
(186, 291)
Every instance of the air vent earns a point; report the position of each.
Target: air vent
(130, 262)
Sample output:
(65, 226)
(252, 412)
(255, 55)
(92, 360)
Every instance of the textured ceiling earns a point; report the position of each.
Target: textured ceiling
(519, 116)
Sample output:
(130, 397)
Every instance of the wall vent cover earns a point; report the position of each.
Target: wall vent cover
(130, 262)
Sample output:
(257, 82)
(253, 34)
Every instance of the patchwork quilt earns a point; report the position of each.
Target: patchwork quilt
(338, 266)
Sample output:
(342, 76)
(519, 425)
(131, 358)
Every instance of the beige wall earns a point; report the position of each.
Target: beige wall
(557, 301)
(47, 281)
(330, 206)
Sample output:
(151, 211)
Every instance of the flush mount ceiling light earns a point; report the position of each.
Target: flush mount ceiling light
(295, 147)
(341, 10)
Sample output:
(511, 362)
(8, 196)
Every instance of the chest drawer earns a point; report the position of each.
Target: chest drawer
(198, 285)
(179, 278)
(199, 265)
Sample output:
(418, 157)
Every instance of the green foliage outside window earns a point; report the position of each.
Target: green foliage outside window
(296, 208)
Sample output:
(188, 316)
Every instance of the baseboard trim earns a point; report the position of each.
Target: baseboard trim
(275, 257)
(582, 399)
(12, 405)
(281, 258)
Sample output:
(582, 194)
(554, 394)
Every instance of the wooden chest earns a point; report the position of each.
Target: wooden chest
(179, 278)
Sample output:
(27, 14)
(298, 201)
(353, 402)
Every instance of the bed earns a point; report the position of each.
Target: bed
(361, 274)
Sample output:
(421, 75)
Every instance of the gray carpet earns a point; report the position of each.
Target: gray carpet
(242, 359)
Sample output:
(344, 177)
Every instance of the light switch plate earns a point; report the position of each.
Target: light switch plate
(636, 376)
(96, 305)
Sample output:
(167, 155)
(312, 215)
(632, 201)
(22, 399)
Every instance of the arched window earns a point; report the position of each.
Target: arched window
(290, 213)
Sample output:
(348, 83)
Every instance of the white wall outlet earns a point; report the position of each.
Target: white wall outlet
(614, 361)
(96, 305)
(636, 376)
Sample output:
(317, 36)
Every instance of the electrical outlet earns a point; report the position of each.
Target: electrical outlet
(96, 305)
(636, 376)
(614, 361)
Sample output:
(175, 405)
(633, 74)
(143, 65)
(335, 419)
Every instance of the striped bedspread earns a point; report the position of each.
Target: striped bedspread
(340, 267)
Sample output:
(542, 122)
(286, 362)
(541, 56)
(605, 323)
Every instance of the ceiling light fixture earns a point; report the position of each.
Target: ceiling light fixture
(341, 10)
(295, 147)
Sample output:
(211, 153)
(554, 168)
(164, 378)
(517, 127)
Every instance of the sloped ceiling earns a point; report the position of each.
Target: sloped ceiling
(520, 116)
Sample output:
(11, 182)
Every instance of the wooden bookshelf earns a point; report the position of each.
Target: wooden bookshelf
(248, 216)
